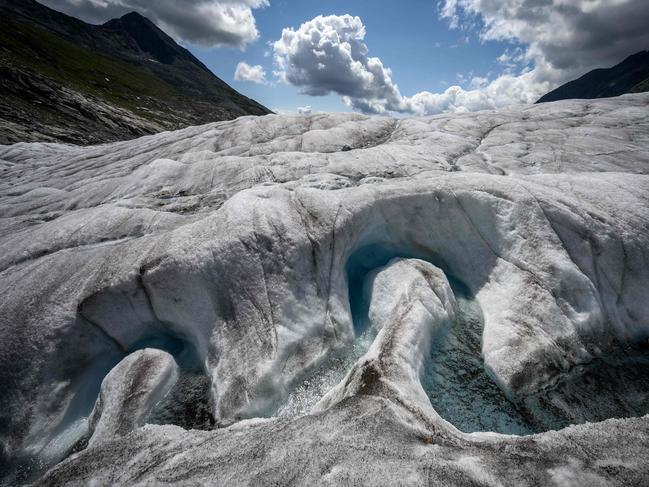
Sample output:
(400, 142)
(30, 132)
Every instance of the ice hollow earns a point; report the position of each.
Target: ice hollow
(468, 274)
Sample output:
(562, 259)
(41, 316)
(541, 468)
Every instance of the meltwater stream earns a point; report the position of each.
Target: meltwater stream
(307, 393)
(457, 384)
(462, 392)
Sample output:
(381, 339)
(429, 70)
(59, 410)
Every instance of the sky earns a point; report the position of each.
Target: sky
(405, 58)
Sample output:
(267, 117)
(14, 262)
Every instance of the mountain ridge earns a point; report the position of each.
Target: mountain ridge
(629, 76)
(69, 81)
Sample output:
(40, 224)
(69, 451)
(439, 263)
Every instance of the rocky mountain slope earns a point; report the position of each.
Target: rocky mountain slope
(630, 76)
(68, 81)
(332, 300)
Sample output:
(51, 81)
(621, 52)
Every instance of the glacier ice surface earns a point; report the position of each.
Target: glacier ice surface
(334, 299)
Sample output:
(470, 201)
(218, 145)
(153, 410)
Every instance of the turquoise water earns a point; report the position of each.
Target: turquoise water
(457, 385)
(462, 392)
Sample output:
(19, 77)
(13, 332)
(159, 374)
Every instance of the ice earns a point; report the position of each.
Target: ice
(245, 251)
(129, 393)
(411, 302)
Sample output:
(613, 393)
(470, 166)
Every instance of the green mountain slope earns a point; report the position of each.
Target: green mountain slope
(65, 80)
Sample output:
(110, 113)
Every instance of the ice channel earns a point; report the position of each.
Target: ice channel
(455, 379)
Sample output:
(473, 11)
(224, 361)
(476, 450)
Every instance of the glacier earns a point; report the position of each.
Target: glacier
(332, 299)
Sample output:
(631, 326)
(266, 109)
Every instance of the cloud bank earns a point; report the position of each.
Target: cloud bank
(206, 22)
(564, 36)
(245, 72)
(553, 41)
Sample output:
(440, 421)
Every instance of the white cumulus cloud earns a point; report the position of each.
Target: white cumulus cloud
(306, 110)
(328, 55)
(245, 72)
(206, 22)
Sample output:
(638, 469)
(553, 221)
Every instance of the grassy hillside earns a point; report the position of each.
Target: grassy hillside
(112, 80)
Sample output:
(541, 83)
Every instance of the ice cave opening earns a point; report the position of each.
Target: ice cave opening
(455, 379)
(188, 403)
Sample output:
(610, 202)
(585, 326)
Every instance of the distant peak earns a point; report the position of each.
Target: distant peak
(134, 16)
(131, 19)
(148, 37)
(638, 56)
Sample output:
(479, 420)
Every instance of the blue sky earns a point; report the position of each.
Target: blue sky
(413, 57)
(428, 57)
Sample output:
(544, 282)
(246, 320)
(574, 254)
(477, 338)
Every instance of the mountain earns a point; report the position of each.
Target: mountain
(68, 81)
(630, 76)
